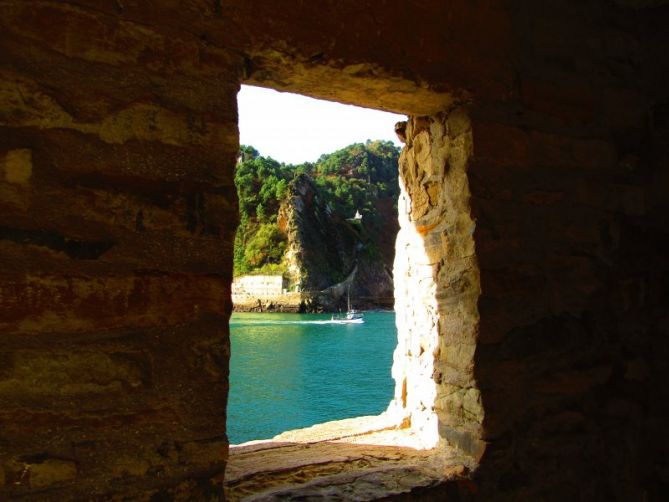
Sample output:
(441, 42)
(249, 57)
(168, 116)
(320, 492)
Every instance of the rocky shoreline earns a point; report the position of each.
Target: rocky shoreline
(306, 305)
(269, 306)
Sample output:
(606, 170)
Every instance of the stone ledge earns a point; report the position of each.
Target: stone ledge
(363, 458)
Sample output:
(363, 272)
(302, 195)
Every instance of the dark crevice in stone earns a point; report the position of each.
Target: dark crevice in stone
(37, 458)
(196, 214)
(661, 116)
(139, 221)
(74, 248)
(316, 58)
(248, 66)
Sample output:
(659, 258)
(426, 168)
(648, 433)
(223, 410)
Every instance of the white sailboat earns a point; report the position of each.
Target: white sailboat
(351, 316)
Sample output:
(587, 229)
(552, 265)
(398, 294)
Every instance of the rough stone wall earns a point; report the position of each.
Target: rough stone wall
(117, 211)
(572, 335)
(571, 243)
(437, 285)
(117, 150)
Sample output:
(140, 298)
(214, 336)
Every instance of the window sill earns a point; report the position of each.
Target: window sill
(363, 458)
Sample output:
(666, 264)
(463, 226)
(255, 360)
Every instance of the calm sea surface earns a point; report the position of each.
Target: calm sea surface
(294, 370)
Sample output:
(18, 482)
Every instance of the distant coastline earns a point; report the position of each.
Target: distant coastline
(313, 235)
(291, 302)
(302, 304)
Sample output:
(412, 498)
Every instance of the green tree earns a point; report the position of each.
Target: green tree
(266, 246)
(354, 178)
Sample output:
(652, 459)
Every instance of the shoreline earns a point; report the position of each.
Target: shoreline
(373, 309)
(304, 306)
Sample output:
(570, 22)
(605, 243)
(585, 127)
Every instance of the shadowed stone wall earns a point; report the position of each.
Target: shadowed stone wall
(117, 211)
(117, 214)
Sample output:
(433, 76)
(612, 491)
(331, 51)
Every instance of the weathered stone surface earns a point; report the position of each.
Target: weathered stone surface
(41, 473)
(116, 206)
(433, 363)
(18, 166)
(118, 139)
(325, 256)
(365, 458)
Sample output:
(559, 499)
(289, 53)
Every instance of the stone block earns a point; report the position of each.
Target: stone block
(547, 149)
(112, 41)
(49, 303)
(126, 466)
(594, 154)
(148, 169)
(458, 123)
(499, 315)
(623, 108)
(574, 382)
(543, 198)
(17, 166)
(456, 355)
(204, 452)
(566, 421)
(39, 472)
(500, 145)
(630, 199)
(57, 375)
(520, 280)
(466, 441)
(138, 121)
(51, 471)
(569, 103)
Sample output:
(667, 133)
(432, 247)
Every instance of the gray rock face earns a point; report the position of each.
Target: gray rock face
(325, 251)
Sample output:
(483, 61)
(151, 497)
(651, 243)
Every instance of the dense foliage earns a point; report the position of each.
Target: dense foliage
(352, 179)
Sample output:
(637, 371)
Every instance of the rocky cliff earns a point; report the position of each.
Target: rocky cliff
(329, 227)
(328, 256)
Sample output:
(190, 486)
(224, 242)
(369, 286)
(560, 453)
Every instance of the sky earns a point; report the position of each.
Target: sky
(294, 129)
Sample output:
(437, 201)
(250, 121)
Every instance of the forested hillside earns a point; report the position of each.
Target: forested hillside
(360, 177)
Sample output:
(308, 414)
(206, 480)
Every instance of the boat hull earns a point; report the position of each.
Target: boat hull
(347, 321)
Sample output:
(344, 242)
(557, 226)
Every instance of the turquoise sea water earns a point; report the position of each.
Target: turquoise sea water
(294, 370)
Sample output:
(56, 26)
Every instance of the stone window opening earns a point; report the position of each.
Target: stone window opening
(432, 428)
(324, 260)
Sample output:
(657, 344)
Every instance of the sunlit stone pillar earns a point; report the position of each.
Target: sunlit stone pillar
(436, 285)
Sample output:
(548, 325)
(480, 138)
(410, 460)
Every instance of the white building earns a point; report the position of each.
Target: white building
(357, 217)
(259, 286)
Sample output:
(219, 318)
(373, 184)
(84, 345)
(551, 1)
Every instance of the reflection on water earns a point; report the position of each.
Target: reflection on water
(294, 370)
